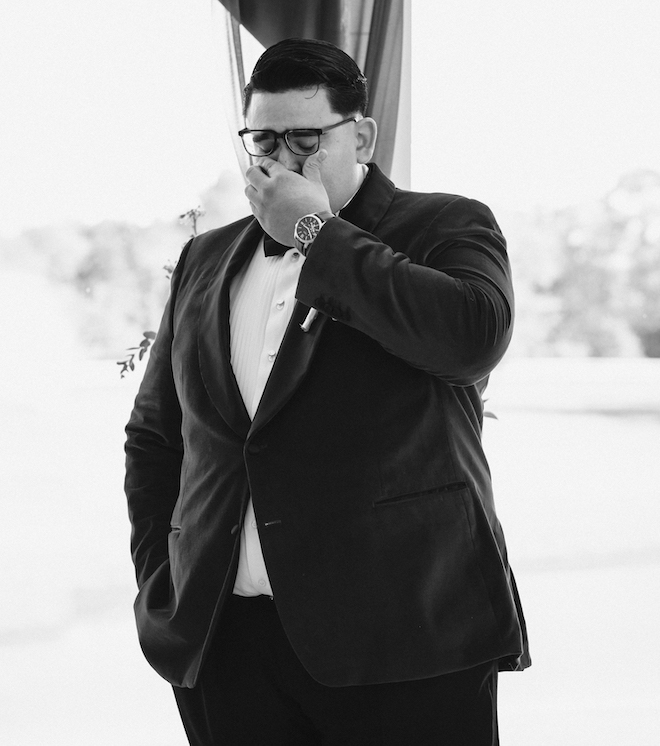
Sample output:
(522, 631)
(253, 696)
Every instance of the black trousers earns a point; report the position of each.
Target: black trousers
(254, 691)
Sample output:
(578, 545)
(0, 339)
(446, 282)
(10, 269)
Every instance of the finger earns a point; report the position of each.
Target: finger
(259, 170)
(312, 166)
(252, 194)
(252, 202)
(255, 175)
(264, 166)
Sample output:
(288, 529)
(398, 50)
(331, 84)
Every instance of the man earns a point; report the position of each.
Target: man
(316, 545)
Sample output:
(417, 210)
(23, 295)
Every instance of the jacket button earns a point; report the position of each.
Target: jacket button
(234, 529)
(254, 448)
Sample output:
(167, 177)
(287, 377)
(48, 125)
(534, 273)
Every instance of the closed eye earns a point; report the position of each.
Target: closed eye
(303, 140)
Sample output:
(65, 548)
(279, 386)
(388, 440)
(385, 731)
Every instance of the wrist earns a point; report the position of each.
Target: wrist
(308, 227)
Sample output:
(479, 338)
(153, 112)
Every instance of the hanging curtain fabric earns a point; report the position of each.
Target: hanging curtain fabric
(370, 31)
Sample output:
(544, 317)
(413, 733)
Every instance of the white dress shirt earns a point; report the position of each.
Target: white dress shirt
(261, 301)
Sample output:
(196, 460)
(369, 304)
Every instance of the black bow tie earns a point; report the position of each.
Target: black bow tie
(272, 248)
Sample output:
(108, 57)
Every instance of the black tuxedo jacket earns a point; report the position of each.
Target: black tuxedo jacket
(364, 459)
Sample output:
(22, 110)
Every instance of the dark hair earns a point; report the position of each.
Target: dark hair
(294, 64)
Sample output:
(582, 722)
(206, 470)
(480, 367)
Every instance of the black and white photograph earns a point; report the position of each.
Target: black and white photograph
(330, 381)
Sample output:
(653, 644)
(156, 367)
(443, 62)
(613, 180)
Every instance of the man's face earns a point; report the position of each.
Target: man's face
(309, 109)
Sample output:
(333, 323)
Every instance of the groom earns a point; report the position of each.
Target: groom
(317, 551)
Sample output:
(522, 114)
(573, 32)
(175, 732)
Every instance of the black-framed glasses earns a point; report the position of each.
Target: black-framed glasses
(261, 143)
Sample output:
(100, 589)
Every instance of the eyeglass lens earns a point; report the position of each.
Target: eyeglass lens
(262, 143)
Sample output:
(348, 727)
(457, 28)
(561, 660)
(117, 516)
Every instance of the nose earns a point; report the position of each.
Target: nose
(289, 160)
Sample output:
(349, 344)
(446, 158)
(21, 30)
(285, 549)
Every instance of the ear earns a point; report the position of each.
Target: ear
(367, 132)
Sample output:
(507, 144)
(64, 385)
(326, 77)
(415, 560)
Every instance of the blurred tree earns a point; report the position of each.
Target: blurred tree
(634, 207)
(590, 288)
(608, 286)
(587, 278)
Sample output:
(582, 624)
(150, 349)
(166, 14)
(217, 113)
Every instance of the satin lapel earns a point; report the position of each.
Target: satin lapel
(213, 333)
(291, 365)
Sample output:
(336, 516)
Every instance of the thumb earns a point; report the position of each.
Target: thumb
(312, 166)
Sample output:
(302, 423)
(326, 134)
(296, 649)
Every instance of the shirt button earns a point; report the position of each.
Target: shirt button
(279, 305)
(253, 524)
(271, 356)
(262, 582)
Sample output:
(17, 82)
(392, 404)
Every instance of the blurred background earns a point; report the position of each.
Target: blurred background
(113, 126)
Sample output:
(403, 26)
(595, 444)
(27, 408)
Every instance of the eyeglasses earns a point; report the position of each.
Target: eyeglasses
(300, 142)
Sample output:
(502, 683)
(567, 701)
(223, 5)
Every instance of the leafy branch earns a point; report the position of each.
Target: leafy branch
(191, 217)
(128, 363)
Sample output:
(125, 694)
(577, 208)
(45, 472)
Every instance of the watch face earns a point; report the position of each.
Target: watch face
(307, 228)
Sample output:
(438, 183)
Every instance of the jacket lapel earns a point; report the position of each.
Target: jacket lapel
(291, 365)
(213, 333)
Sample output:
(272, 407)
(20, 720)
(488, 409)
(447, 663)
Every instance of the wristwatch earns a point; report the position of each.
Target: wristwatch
(307, 229)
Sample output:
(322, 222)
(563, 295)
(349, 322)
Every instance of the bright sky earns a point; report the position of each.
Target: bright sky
(114, 109)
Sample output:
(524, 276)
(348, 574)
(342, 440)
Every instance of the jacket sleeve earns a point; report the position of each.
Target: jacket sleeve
(154, 449)
(443, 301)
